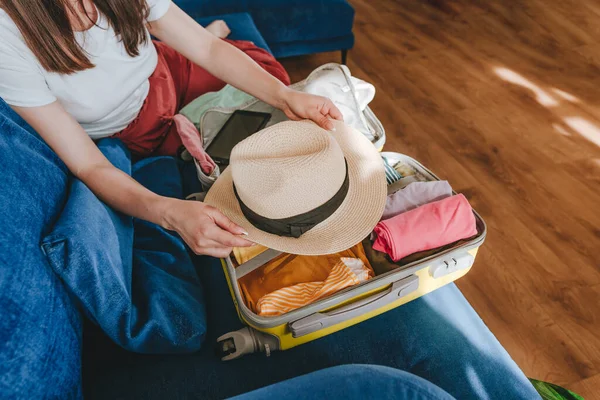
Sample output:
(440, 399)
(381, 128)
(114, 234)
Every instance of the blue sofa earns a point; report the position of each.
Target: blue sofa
(48, 349)
(47, 345)
(40, 327)
(287, 27)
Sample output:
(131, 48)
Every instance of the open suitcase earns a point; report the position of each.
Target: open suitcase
(209, 120)
(352, 305)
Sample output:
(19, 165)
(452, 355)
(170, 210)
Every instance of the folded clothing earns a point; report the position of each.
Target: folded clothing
(227, 97)
(289, 269)
(192, 141)
(427, 227)
(243, 254)
(402, 183)
(414, 195)
(404, 169)
(381, 262)
(391, 175)
(347, 272)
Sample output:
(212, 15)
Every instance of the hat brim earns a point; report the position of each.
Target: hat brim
(349, 224)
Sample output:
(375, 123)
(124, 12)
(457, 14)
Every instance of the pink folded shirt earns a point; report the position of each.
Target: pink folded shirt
(427, 227)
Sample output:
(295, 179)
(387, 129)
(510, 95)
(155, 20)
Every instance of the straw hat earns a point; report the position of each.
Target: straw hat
(297, 188)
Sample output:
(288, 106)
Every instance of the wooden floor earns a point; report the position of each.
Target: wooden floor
(502, 98)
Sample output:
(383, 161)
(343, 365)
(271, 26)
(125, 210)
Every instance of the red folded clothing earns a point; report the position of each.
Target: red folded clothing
(427, 227)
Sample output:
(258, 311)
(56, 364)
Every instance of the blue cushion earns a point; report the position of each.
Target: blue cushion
(40, 327)
(289, 21)
(242, 28)
(202, 8)
(299, 48)
(281, 21)
(133, 278)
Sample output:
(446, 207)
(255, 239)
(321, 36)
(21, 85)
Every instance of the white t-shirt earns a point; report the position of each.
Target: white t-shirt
(104, 99)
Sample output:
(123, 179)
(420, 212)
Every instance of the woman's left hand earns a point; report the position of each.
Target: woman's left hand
(299, 105)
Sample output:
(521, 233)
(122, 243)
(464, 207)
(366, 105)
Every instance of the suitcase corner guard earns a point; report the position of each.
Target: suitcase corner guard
(233, 345)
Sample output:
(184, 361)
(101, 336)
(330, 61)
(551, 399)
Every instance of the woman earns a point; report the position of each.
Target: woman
(78, 70)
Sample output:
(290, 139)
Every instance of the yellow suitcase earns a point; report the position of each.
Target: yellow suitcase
(347, 307)
(350, 306)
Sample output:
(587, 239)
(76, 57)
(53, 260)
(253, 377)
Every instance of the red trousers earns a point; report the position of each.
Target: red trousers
(175, 83)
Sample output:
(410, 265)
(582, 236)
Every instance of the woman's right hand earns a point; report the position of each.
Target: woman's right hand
(204, 228)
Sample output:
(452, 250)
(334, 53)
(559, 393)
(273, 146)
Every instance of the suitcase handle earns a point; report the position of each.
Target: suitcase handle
(317, 321)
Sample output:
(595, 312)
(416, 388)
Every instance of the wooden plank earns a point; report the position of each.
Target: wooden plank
(502, 99)
(588, 388)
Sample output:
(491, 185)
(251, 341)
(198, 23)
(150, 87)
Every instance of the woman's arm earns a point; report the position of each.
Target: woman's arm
(204, 228)
(233, 66)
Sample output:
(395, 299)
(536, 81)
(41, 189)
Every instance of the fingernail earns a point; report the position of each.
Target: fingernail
(253, 244)
(333, 129)
(244, 233)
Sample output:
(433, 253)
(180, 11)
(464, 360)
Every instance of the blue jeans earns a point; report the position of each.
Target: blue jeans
(133, 278)
(438, 337)
(352, 382)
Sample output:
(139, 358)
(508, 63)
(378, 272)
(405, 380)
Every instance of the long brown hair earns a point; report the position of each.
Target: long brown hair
(47, 29)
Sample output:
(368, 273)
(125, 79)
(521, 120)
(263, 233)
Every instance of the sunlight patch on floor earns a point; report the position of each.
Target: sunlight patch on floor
(561, 130)
(541, 95)
(577, 124)
(585, 128)
(565, 96)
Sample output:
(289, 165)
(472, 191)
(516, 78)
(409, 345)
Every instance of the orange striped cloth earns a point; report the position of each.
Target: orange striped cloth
(347, 272)
(287, 270)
